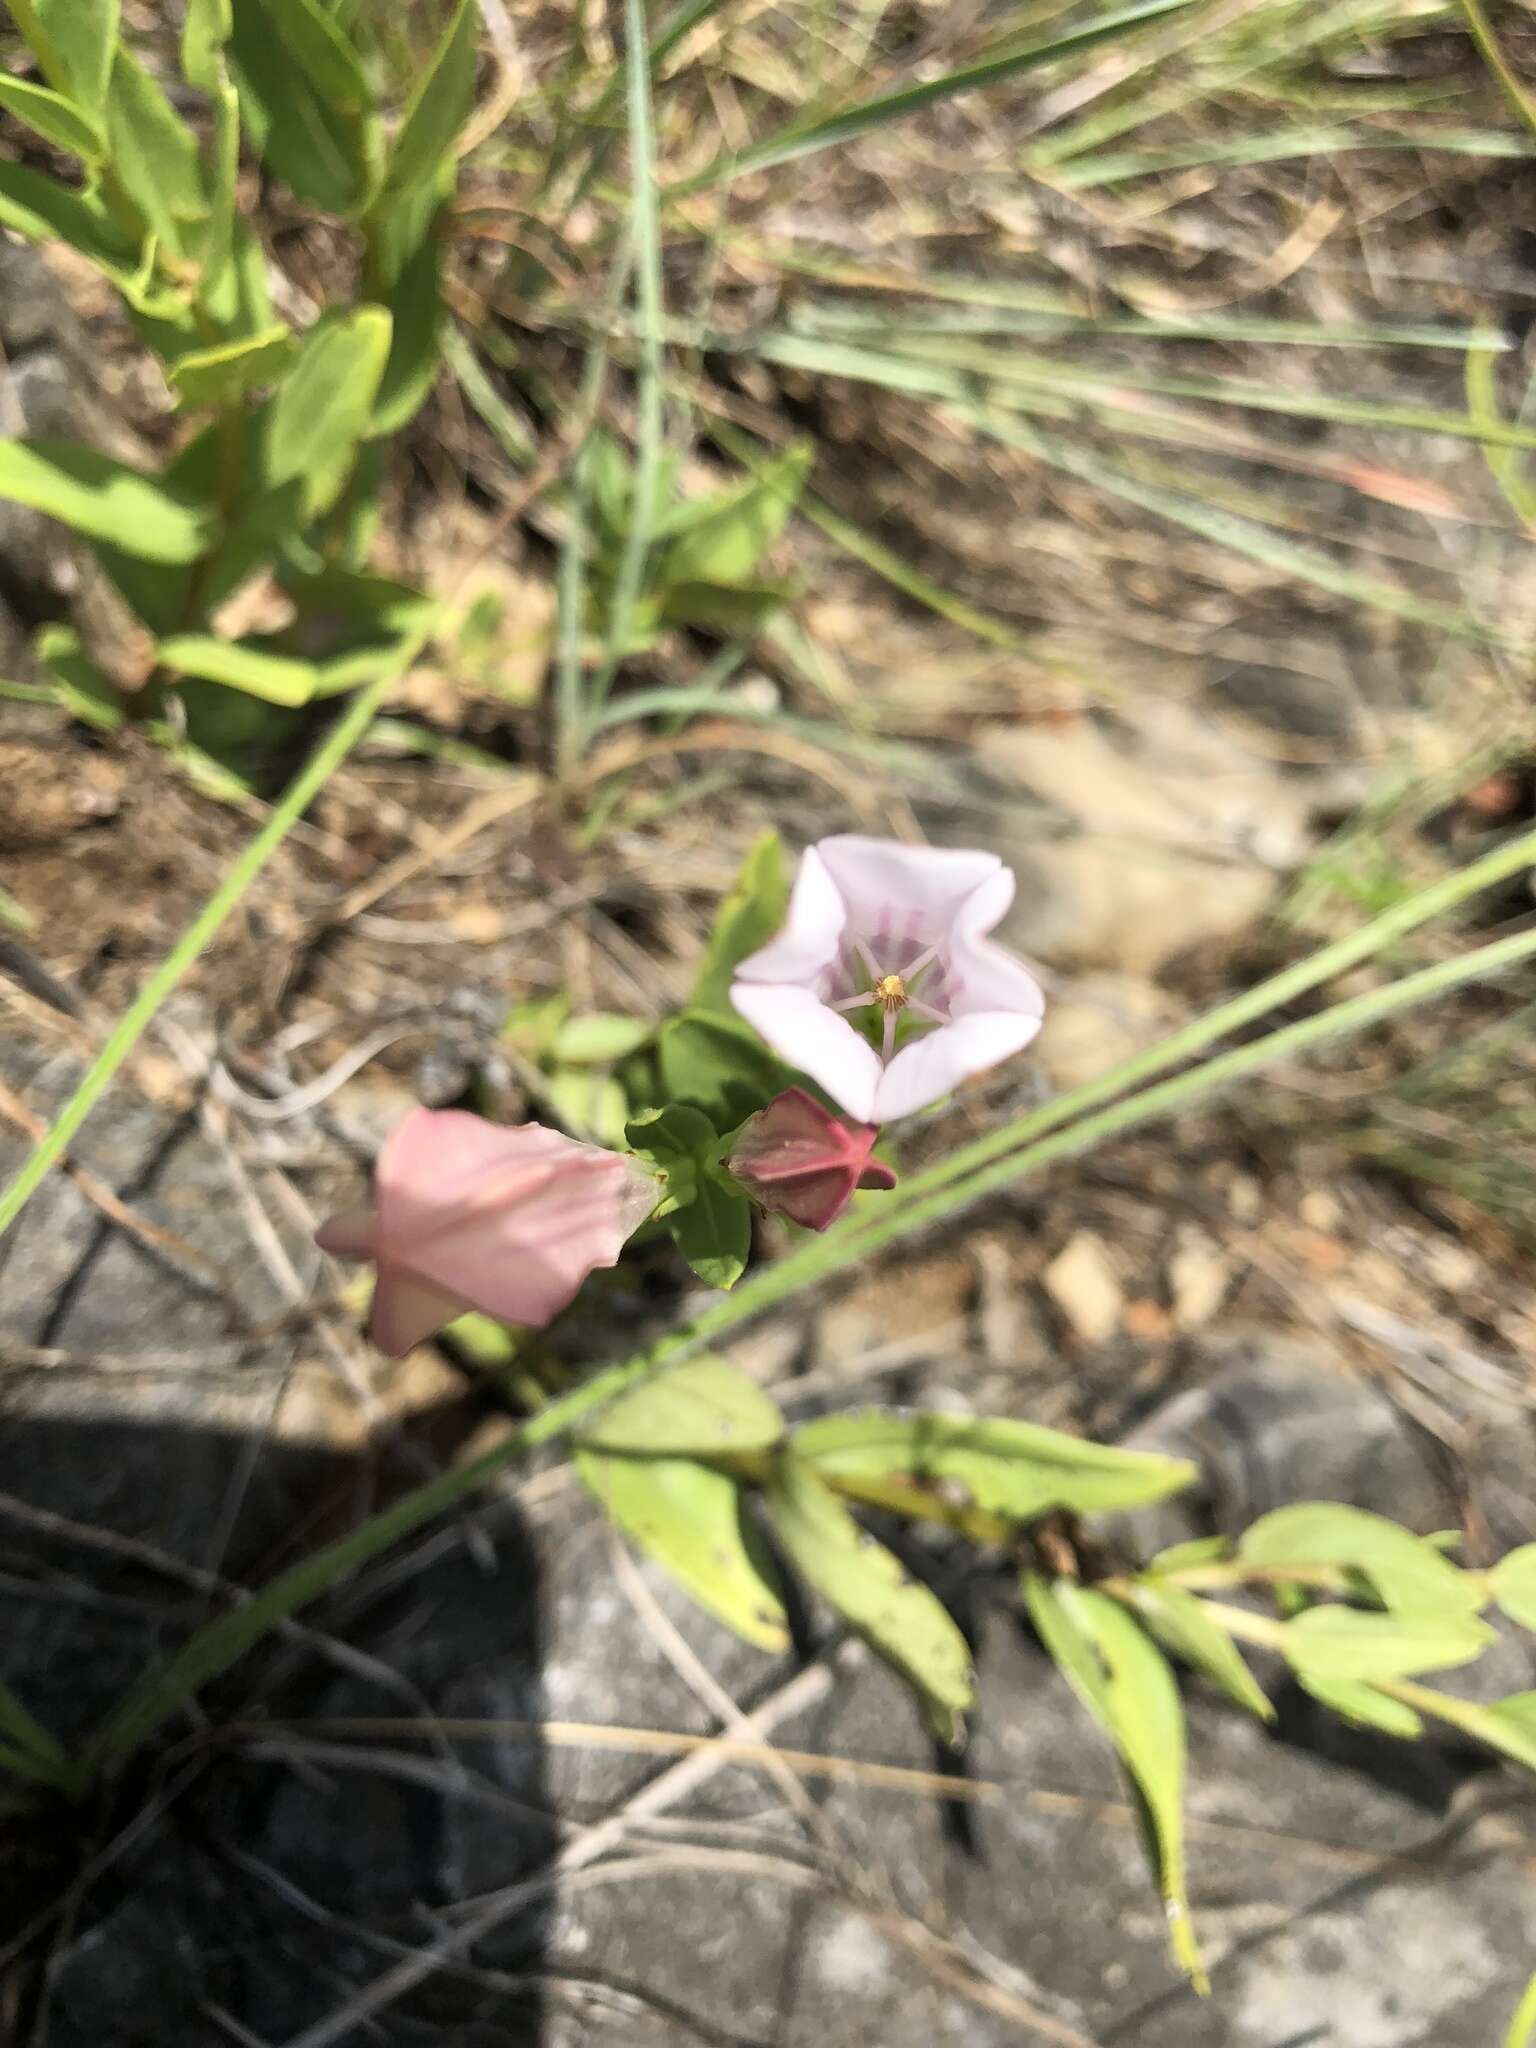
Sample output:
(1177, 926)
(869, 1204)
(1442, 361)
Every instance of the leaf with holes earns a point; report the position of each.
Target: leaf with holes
(692, 1520)
(1003, 1467)
(901, 1619)
(1125, 1682)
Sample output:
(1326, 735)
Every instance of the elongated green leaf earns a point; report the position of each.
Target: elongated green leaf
(597, 1040)
(322, 50)
(43, 210)
(321, 412)
(275, 678)
(218, 283)
(1124, 1681)
(208, 26)
(691, 1520)
(437, 109)
(1331, 1643)
(224, 375)
(1183, 1625)
(104, 499)
(1513, 1584)
(18, 1727)
(719, 1064)
(804, 137)
(57, 119)
(83, 689)
(1003, 1467)
(1183, 1557)
(725, 541)
(746, 920)
(1363, 1704)
(324, 153)
(155, 156)
(900, 1619)
(1409, 1574)
(414, 303)
(701, 1408)
(1510, 1725)
(73, 42)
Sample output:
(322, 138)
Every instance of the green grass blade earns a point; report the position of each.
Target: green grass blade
(804, 138)
(1522, 2028)
(1089, 172)
(645, 240)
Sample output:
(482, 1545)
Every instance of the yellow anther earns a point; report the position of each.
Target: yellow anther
(891, 993)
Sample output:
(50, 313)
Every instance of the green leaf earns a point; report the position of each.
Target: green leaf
(325, 154)
(1513, 1584)
(1331, 1643)
(1364, 1705)
(206, 29)
(218, 283)
(680, 1142)
(43, 210)
(73, 42)
(415, 304)
(1409, 1575)
(714, 1232)
(691, 1520)
(154, 156)
(701, 1408)
(57, 119)
(599, 1039)
(532, 1027)
(1183, 1557)
(739, 611)
(84, 690)
(320, 413)
(1125, 1682)
(221, 376)
(1510, 1725)
(727, 539)
(1003, 1467)
(594, 1105)
(900, 1619)
(1185, 1626)
(275, 678)
(746, 920)
(104, 499)
(322, 51)
(437, 109)
(719, 1064)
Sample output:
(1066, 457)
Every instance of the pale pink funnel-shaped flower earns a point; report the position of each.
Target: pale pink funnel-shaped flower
(903, 928)
(473, 1215)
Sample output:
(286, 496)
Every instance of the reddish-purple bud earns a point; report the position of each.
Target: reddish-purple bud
(802, 1161)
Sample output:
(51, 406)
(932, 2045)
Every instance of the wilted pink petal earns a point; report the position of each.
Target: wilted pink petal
(903, 930)
(799, 1160)
(472, 1214)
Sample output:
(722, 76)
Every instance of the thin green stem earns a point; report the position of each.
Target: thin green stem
(645, 238)
(343, 736)
(1498, 63)
(214, 1649)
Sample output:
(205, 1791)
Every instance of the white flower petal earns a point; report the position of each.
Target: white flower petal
(803, 1031)
(813, 932)
(934, 1065)
(982, 976)
(907, 891)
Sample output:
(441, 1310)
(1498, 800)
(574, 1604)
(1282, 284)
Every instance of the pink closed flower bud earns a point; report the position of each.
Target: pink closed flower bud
(473, 1215)
(798, 1159)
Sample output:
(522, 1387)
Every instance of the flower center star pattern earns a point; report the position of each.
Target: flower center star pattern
(873, 923)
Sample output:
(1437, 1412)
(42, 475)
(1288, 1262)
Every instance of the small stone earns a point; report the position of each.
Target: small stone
(1245, 1198)
(1320, 1210)
(1082, 1283)
(1199, 1274)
